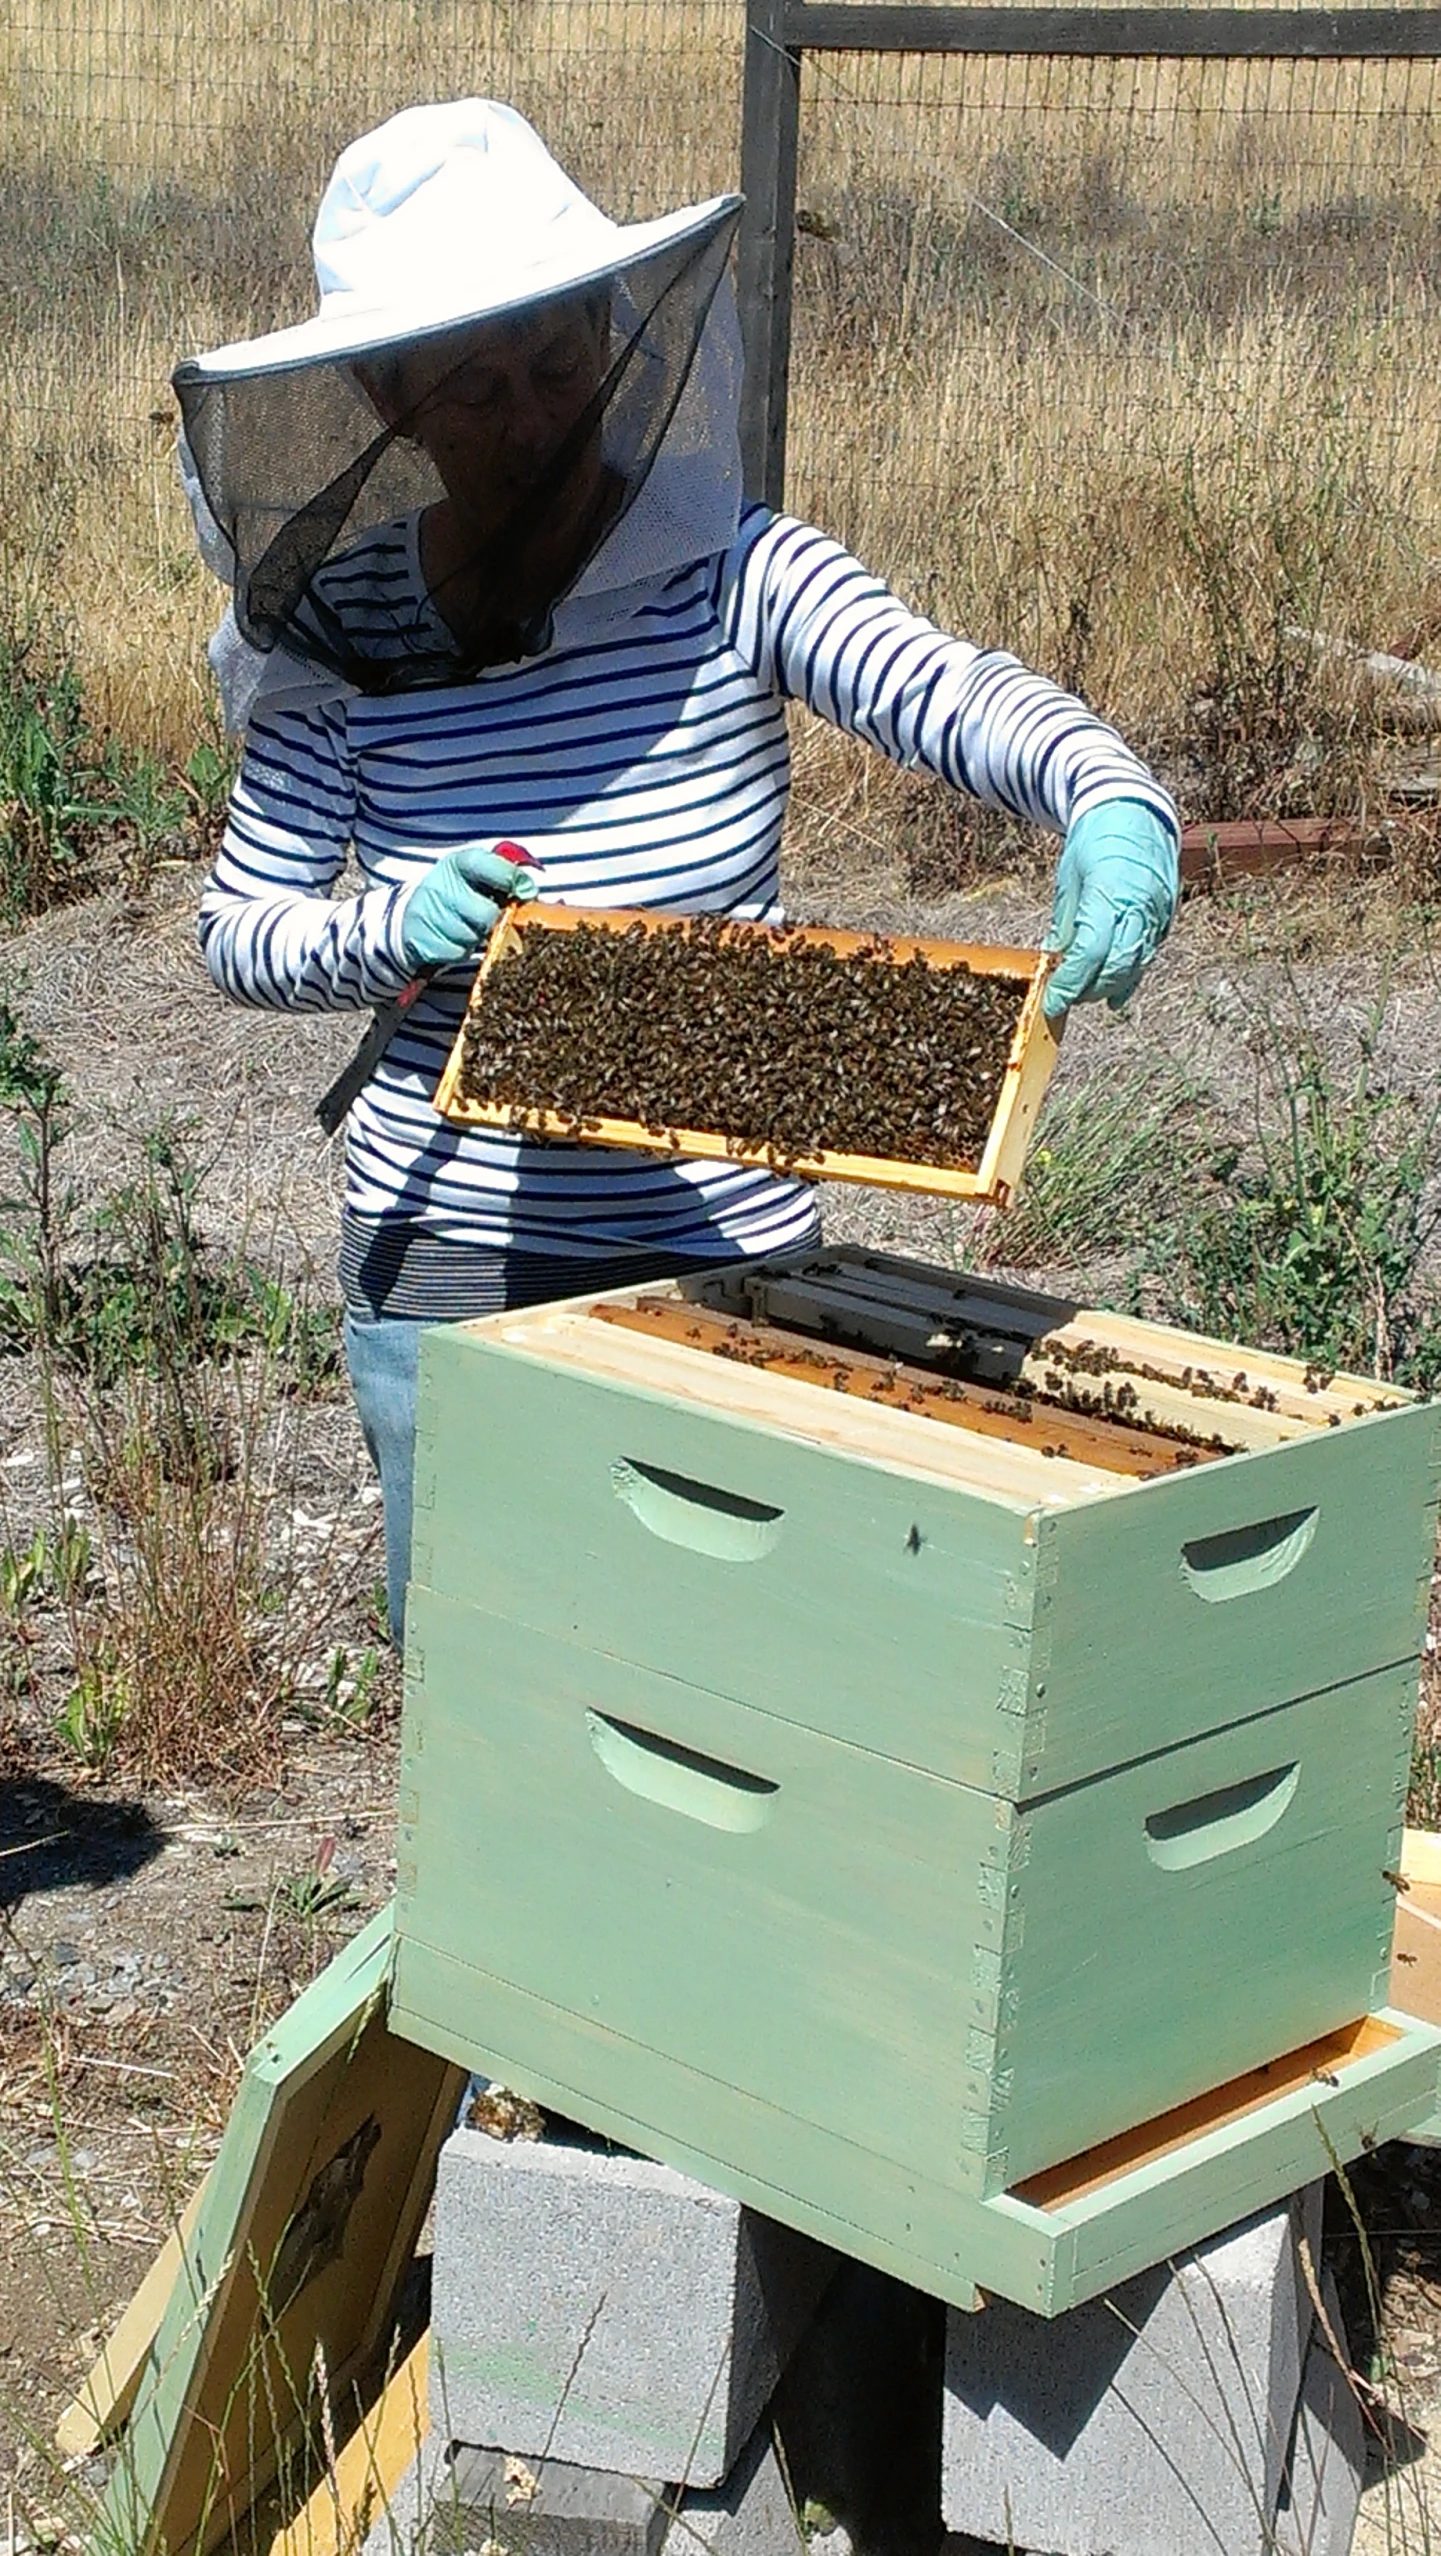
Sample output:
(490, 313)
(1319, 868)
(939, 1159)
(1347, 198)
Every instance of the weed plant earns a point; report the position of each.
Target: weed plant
(1424, 1804)
(180, 1612)
(71, 806)
(48, 781)
(130, 1284)
(1311, 1235)
(1310, 1232)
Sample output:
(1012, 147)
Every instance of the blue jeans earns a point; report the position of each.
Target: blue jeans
(383, 1355)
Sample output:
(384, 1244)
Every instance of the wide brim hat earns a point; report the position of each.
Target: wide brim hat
(445, 217)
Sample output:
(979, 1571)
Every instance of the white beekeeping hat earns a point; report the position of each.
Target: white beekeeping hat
(447, 215)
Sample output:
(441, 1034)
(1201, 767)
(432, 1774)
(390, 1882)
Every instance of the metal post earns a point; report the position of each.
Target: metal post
(770, 128)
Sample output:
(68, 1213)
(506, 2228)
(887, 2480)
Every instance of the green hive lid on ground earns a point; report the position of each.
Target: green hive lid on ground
(307, 2222)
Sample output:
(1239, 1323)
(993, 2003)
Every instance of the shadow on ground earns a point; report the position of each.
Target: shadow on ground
(52, 1837)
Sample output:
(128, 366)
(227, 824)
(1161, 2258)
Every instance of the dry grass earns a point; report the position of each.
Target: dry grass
(174, 1606)
(1192, 415)
(186, 1641)
(1142, 504)
(1197, 410)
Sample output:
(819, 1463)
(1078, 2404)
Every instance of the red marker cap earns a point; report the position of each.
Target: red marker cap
(517, 852)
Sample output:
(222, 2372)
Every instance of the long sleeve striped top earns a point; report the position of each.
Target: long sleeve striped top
(645, 764)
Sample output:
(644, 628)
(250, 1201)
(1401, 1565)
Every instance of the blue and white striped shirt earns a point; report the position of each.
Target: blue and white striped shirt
(646, 766)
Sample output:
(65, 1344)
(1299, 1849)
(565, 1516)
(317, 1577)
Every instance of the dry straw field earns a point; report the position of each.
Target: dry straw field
(1130, 365)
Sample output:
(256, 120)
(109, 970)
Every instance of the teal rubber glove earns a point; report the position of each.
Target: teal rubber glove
(450, 914)
(1116, 891)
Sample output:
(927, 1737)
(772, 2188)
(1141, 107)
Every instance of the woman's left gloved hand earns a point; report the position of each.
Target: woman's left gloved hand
(1116, 891)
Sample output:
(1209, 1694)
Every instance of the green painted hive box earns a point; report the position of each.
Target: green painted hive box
(923, 1757)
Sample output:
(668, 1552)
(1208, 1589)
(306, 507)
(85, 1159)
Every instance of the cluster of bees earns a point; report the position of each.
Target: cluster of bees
(767, 1038)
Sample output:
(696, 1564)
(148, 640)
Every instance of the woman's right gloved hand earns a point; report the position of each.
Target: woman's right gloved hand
(449, 914)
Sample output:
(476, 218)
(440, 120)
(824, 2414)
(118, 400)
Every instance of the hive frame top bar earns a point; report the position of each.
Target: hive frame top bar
(1259, 1401)
(993, 1180)
(949, 1302)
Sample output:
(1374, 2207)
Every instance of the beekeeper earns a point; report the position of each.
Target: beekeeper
(493, 580)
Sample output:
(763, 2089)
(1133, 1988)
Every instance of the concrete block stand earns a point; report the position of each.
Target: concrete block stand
(1152, 2423)
(464, 2502)
(600, 2311)
(1326, 2468)
(858, 2416)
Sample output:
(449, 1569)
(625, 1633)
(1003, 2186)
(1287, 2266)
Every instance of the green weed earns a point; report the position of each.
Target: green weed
(22, 1577)
(173, 1363)
(48, 780)
(40, 1215)
(209, 773)
(317, 1891)
(131, 1284)
(1310, 1232)
(68, 1560)
(351, 1685)
(94, 1713)
(68, 798)
(1423, 1802)
(1310, 1237)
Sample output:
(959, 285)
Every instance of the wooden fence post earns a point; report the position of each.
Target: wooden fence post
(770, 127)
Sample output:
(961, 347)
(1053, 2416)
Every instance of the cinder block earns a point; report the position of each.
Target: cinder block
(858, 2416)
(607, 2312)
(459, 2502)
(1154, 2421)
(750, 2515)
(1321, 2489)
(509, 2506)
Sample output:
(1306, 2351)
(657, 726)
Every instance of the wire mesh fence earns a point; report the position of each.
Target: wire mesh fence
(1130, 364)
(160, 163)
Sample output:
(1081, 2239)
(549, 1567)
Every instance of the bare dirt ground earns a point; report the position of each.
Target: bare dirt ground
(145, 1940)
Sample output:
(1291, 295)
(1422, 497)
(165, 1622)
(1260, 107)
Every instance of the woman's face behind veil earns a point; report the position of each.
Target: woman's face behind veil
(493, 405)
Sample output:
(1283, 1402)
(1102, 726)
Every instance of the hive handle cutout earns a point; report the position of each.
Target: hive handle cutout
(1214, 1824)
(680, 1779)
(696, 1514)
(1246, 1558)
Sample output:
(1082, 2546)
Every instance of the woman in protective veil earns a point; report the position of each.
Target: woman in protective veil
(495, 585)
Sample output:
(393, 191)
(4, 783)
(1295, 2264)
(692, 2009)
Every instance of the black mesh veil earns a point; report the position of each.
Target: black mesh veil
(317, 474)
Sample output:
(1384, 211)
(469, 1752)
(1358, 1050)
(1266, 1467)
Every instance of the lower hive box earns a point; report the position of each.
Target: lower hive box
(919, 1755)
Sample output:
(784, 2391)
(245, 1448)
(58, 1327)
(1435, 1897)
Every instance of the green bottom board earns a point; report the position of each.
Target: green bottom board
(942, 2241)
